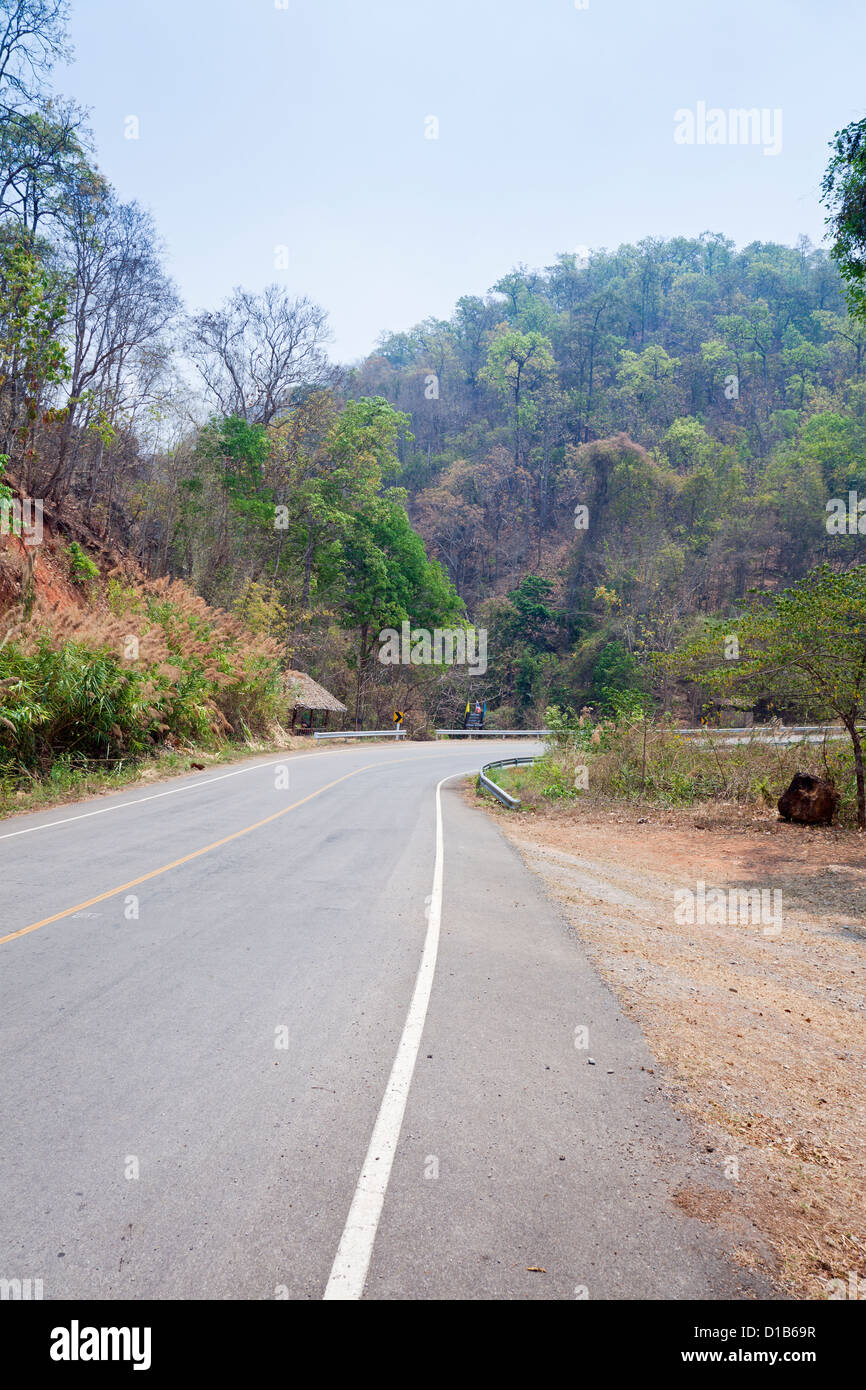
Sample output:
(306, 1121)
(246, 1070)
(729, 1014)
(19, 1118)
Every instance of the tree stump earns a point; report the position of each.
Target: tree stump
(809, 800)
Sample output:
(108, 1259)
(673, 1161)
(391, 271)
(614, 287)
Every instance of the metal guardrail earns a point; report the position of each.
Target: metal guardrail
(763, 729)
(365, 733)
(489, 785)
(778, 734)
(492, 733)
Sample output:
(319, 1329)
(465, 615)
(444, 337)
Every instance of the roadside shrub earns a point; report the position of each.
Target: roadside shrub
(68, 700)
(655, 763)
(103, 686)
(570, 730)
(84, 570)
(549, 779)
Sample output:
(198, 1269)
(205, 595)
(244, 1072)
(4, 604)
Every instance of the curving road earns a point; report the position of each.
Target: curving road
(259, 1039)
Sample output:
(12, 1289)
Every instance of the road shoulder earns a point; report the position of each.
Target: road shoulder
(531, 1167)
(759, 1037)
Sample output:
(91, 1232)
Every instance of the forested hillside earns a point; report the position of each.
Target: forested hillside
(702, 404)
(581, 463)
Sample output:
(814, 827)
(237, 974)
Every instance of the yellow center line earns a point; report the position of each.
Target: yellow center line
(154, 873)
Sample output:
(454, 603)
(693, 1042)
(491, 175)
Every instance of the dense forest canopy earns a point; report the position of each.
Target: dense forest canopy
(700, 404)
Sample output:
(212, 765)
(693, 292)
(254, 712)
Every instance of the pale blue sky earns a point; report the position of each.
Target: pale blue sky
(304, 127)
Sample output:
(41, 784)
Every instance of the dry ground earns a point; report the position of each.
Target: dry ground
(761, 1039)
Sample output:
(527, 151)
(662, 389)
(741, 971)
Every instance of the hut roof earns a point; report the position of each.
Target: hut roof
(304, 693)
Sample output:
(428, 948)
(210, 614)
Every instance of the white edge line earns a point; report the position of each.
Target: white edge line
(352, 1262)
(155, 796)
(173, 791)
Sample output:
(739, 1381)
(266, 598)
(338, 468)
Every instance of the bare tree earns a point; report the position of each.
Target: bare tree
(43, 139)
(44, 160)
(258, 349)
(120, 304)
(32, 40)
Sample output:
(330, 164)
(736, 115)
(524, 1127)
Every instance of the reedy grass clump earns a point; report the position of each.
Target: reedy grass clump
(155, 664)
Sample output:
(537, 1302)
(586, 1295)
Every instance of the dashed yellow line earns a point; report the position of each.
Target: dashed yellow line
(196, 854)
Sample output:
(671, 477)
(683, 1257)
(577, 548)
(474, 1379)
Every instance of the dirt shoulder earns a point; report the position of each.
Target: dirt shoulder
(760, 1035)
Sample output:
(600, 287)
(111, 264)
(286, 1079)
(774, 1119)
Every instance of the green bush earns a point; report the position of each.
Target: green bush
(656, 764)
(570, 730)
(69, 701)
(83, 569)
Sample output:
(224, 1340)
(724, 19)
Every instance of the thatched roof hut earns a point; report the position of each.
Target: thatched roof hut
(306, 694)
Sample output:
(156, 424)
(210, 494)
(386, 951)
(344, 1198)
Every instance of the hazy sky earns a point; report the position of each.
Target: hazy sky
(263, 127)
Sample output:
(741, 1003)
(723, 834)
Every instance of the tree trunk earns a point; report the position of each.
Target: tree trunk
(308, 567)
(861, 782)
(362, 648)
(643, 758)
(273, 594)
(56, 482)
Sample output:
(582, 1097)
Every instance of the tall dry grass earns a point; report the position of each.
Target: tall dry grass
(153, 663)
(655, 764)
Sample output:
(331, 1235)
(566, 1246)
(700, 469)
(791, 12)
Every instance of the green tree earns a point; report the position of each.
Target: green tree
(805, 647)
(388, 580)
(844, 195)
(616, 678)
(647, 387)
(31, 358)
(242, 450)
(519, 367)
(333, 464)
(534, 619)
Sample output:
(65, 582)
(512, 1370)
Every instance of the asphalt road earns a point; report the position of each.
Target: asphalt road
(224, 1017)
